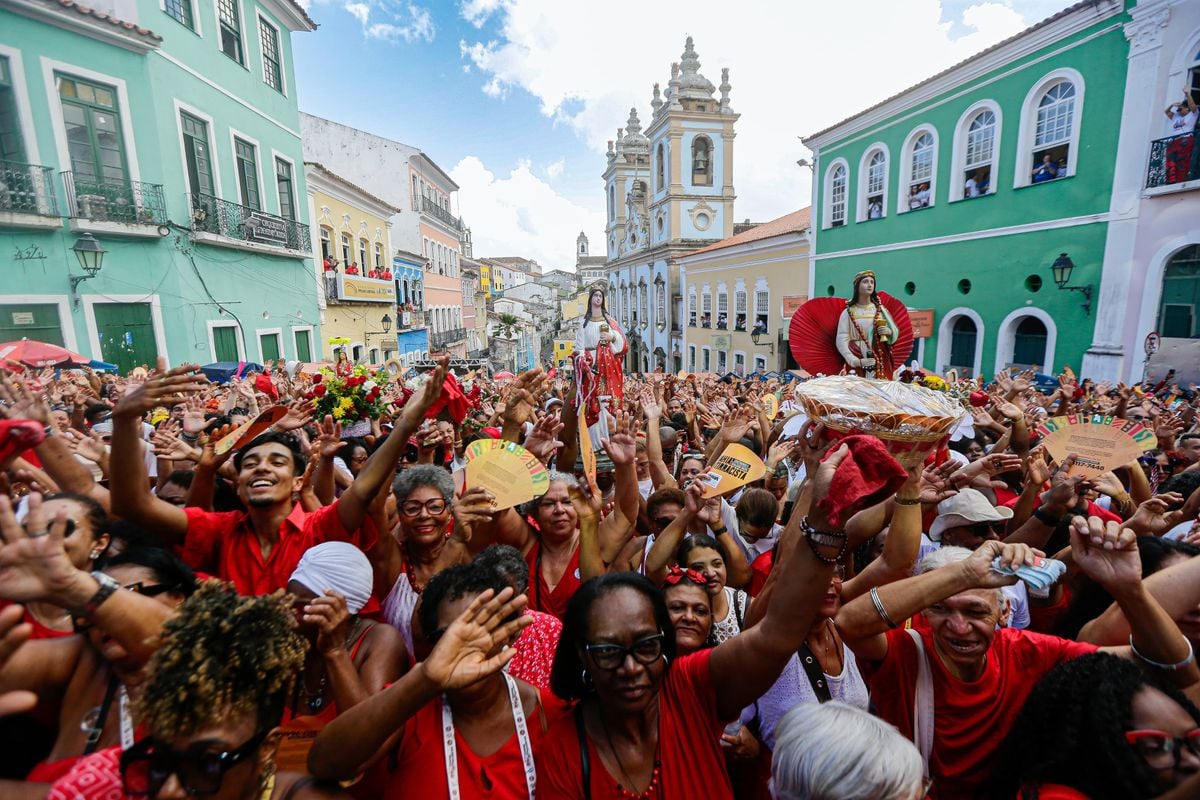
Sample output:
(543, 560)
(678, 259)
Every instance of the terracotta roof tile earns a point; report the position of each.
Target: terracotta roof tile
(87, 11)
(789, 223)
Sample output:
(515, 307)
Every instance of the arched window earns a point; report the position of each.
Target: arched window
(762, 309)
(701, 161)
(873, 180)
(706, 308)
(660, 167)
(645, 305)
(739, 309)
(1179, 307)
(981, 143)
(326, 243)
(922, 154)
(836, 192)
(660, 304)
(362, 254)
(722, 308)
(1048, 145)
(962, 344)
(1029, 343)
(347, 255)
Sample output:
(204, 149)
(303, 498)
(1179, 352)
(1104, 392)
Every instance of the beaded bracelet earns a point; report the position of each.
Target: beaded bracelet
(816, 538)
(908, 501)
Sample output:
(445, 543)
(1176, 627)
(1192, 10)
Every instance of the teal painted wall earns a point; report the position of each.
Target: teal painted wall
(263, 291)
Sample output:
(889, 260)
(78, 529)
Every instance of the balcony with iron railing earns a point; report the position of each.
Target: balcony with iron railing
(226, 224)
(114, 205)
(437, 212)
(442, 339)
(1173, 166)
(27, 196)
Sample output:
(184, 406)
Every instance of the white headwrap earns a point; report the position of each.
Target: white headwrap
(339, 566)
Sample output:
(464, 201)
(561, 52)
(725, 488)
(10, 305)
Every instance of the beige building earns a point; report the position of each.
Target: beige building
(356, 290)
(745, 288)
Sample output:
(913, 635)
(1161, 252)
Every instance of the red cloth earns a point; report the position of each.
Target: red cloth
(40, 631)
(452, 400)
(970, 719)
(17, 436)
(535, 649)
(93, 777)
(689, 733)
(867, 475)
(224, 544)
(1093, 509)
(420, 769)
(760, 570)
(540, 596)
(1056, 791)
(50, 771)
(267, 386)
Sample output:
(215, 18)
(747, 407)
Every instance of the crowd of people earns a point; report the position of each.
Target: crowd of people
(313, 616)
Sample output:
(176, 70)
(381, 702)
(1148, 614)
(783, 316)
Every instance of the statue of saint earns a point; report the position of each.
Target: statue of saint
(866, 331)
(599, 377)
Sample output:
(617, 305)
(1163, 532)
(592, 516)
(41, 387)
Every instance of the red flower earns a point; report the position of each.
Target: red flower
(319, 390)
(355, 380)
(318, 377)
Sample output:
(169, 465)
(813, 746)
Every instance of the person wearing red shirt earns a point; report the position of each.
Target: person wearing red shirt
(259, 548)
(981, 676)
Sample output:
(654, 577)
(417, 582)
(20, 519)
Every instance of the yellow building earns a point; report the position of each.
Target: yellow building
(743, 287)
(355, 288)
(485, 279)
(563, 349)
(575, 306)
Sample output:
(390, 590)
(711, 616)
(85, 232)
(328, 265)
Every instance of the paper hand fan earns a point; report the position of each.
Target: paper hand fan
(1099, 444)
(736, 466)
(248, 432)
(505, 472)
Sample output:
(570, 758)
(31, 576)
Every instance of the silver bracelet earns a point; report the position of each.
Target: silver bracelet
(880, 610)
(1191, 656)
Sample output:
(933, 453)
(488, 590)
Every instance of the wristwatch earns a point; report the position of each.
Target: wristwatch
(1045, 518)
(108, 588)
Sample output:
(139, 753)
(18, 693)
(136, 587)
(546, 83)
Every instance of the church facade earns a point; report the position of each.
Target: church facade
(669, 191)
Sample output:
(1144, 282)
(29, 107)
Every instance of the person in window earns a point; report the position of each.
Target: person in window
(923, 196)
(977, 184)
(1182, 117)
(1045, 171)
(914, 201)
(875, 209)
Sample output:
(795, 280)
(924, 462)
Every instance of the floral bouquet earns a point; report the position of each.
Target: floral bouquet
(354, 398)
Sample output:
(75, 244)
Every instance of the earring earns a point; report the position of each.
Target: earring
(666, 660)
(586, 678)
(94, 555)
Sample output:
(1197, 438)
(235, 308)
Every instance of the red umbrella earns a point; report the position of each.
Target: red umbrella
(40, 354)
(503, 376)
(813, 333)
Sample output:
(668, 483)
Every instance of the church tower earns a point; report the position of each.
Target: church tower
(581, 247)
(691, 155)
(627, 181)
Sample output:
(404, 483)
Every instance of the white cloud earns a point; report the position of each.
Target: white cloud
(408, 23)
(795, 68)
(360, 11)
(520, 214)
(554, 169)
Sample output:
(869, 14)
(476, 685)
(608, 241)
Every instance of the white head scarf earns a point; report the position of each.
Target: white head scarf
(339, 566)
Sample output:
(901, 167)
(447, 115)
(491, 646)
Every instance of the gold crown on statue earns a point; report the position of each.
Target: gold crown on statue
(866, 273)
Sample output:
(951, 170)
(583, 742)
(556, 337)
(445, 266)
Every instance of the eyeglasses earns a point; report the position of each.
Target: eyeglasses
(412, 508)
(612, 656)
(147, 765)
(83, 624)
(1160, 749)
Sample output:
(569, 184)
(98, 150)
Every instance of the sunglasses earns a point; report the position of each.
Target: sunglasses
(609, 657)
(148, 765)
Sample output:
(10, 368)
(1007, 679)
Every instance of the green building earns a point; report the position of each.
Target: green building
(166, 135)
(962, 193)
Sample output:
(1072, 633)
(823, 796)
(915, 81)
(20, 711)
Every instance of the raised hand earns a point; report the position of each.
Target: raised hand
(475, 506)
(978, 567)
(299, 414)
(414, 410)
(937, 482)
(194, 421)
(21, 402)
(621, 446)
(812, 445)
(33, 560)
(165, 389)
(1153, 518)
(461, 655)
(1065, 490)
(981, 471)
(543, 440)
(1106, 552)
(331, 617)
(329, 438)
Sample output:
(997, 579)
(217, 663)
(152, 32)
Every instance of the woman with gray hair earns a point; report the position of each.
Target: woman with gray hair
(833, 751)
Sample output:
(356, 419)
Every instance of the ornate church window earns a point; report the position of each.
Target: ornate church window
(701, 161)
(660, 167)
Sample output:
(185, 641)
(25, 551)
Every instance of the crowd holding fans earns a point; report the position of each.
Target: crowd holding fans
(318, 615)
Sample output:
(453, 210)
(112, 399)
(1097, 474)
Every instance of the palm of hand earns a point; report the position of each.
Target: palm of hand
(622, 448)
(460, 657)
(33, 568)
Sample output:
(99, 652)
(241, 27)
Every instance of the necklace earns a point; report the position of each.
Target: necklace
(410, 570)
(652, 789)
(832, 652)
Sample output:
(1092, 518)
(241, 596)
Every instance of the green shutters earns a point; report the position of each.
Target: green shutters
(197, 154)
(287, 195)
(225, 343)
(269, 344)
(12, 147)
(303, 345)
(247, 173)
(181, 11)
(231, 29)
(126, 332)
(268, 37)
(39, 322)
(93, 126)
(962, 344)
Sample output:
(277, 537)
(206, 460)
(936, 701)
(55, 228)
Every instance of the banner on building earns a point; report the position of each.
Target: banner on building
(791, 303)
(723, 341)
(365, 290)
(922, 322)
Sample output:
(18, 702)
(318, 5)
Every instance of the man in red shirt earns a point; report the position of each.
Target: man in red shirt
(980, 676)
(259, 548)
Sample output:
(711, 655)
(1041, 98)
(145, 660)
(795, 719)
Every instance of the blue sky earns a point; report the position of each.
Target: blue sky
(516, 98)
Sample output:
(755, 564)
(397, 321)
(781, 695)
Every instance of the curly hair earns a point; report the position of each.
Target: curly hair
(222, 655)
(455, 583)
(1071, 732)
(414, 478)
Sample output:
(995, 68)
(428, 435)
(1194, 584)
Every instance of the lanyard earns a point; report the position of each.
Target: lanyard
(450, 748)
(126, 718)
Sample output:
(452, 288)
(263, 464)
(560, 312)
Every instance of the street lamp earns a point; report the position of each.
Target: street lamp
(1062, 268)
(757, 334)
(91, 257)
(386, 322)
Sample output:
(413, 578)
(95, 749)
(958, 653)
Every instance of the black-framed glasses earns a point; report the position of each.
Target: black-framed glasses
(1160, 749)
(83, 624)
(612, 656)
(148, 765)
(983, 530)
(412, 508)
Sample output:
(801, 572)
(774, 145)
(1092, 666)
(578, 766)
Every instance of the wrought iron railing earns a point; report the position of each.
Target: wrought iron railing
(1171, 161)
(27, 189)
(434, 210)
(214, 215)
(444, 338)
(480, 353)
(114, 200)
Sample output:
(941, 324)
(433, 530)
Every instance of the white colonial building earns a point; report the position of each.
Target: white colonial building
(669, 191)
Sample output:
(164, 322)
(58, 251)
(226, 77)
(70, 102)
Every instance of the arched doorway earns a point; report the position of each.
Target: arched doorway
(962, 345)
(1179, 307)
(1029, 343)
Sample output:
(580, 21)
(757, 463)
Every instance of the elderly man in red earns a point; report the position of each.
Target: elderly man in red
(257, 549)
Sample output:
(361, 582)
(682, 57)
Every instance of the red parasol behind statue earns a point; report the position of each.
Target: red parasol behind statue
(812, 334)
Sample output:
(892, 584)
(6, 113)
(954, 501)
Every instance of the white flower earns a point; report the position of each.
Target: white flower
(369, 387)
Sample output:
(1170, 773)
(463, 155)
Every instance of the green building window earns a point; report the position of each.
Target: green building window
(12, 146)
(231, 29)
(269, 39)
(181, 11)
(197, 154)
(920, 178)
(93, 127)
(962, 344)
(837, 196)
(287, 194)
(876, 183)
(1180, 304)
(224, 340)
(981, 143)
(1029, 343)
(1053, 132)
(247, 173)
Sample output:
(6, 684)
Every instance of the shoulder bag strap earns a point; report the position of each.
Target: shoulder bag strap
(923, 702)
(816, 675)
(739, 610)
(585, 760)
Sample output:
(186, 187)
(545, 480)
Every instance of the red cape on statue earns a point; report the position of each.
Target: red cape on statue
(812, 334)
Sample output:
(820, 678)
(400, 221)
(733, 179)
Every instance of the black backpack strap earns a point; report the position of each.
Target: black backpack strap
(585, 760)
(816, 676)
